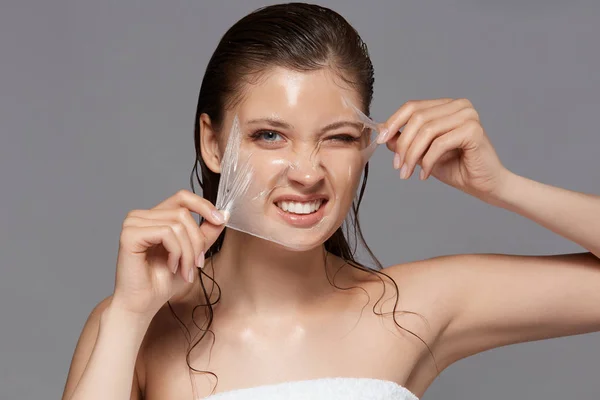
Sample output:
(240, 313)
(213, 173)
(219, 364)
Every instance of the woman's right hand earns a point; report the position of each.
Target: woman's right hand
(160, 249)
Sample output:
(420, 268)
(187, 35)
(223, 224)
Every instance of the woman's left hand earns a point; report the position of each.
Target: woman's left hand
(444, 137)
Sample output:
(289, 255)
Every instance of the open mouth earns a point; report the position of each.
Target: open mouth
(300, 207)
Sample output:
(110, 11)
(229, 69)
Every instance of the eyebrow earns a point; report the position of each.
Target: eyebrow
(276, 123)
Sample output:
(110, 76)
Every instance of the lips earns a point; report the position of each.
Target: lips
(301, 211)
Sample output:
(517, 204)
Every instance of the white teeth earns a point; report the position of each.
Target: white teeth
(300, 208)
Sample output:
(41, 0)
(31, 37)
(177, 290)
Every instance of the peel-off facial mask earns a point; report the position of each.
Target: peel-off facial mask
(294, 189)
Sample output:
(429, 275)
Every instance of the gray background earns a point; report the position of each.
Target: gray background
(97, 102)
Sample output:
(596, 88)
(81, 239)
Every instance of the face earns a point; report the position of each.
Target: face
(305, 146)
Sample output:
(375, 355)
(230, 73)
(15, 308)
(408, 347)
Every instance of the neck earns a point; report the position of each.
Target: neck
(258, 277)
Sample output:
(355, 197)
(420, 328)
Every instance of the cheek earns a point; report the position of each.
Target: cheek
(345, 177)
(269, 172)
(262, 170)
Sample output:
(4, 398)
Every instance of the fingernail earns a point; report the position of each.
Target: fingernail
(191, 275)
(422, 175)
(383, 135)
(404, 172)
(200, 260)
(396, 161)
(175, 267)
(218, 216)
(226, 214)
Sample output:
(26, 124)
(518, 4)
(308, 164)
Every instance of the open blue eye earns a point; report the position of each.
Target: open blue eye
(270, 136)
(267, 136)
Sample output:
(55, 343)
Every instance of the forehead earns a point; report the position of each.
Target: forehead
(307, 98)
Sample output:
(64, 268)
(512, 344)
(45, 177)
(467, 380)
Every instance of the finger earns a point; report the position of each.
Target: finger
(140, 238)
(184, 216)
(441, 146)
(393, 124)
(194, 203)
(187, 260)
(210, 234)
(428, 133)
(202, 237)
(420, 118)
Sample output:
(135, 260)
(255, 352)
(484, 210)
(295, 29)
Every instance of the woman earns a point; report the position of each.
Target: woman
(276, 322)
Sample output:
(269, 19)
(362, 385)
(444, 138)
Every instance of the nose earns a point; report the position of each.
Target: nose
(306, 171)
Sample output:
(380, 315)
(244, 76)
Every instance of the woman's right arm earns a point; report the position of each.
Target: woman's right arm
(159, 251)
(103, 366)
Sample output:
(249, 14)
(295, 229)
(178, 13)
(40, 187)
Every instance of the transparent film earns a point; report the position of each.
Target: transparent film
(281, 187)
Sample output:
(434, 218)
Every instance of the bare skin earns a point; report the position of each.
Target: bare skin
(339, 336)
(279, 319)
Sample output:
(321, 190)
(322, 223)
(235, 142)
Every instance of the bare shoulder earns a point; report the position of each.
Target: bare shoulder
(424, 286)
(173, 327)
(427, 287)
(428, 280)
(485, 301)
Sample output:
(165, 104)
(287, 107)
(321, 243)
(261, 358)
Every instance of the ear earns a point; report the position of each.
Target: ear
(209, 144)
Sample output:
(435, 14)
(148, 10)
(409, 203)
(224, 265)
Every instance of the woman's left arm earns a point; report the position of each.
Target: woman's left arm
(573, 215)
(492, 300)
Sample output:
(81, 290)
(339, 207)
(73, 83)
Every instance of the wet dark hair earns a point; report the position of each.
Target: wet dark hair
(301, 37)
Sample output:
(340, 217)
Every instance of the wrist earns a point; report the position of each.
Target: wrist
(117, 315)
(506, 186)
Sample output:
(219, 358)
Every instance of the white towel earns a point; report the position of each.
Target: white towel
(323, 388)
